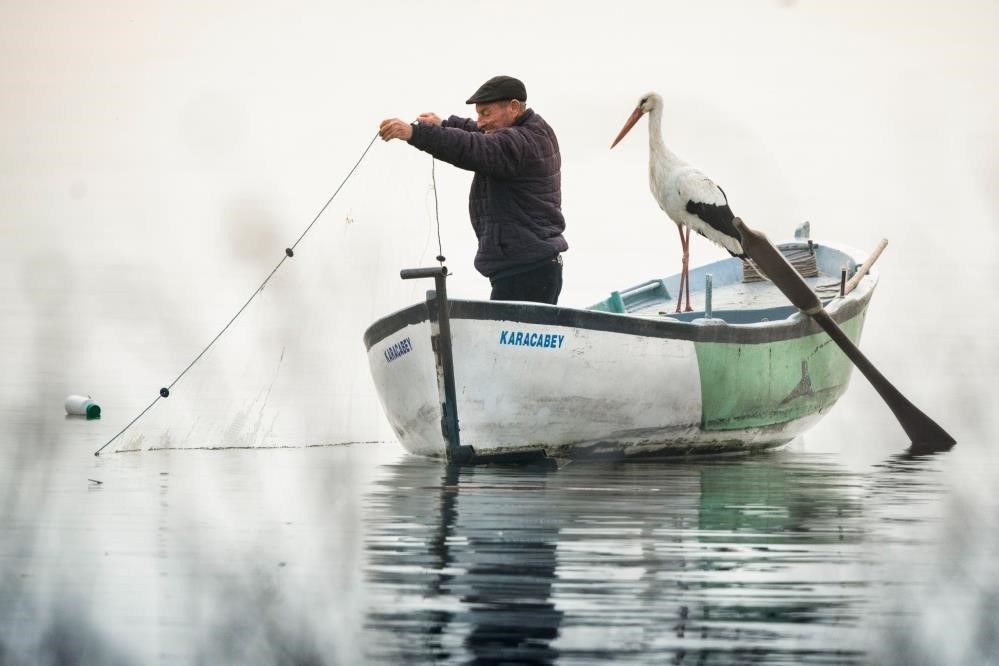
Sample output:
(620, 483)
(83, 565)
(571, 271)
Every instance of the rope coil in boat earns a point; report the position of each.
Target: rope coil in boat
(802, 259)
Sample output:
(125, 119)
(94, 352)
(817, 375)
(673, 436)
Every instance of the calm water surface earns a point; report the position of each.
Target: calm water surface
(785, 558)
(361, 553)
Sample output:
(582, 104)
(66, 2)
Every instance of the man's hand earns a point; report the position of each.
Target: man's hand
(393, 128)
(431, 118)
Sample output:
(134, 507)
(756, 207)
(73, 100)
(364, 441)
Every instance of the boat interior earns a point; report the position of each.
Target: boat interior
(733, 290)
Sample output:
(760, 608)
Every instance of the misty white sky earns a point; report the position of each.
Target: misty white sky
(162, 155)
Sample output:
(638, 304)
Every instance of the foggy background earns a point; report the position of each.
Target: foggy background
(157, 158)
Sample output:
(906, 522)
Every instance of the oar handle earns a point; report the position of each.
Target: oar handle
(862, 271)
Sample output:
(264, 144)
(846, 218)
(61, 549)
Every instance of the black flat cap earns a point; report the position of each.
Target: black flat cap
(499, 88)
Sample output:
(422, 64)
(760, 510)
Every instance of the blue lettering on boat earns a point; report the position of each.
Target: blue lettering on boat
(400, 348)
(531, 339)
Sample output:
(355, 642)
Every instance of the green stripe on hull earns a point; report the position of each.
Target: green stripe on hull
(753, 385)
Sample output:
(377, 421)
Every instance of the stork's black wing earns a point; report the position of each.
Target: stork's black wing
(718, 217)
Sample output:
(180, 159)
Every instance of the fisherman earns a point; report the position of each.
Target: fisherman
(515, 202)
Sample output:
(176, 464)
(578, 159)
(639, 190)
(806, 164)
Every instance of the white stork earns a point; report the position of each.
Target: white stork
(689, 197)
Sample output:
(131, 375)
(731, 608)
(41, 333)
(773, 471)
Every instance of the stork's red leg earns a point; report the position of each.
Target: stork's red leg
(686, 267)
(683, 269)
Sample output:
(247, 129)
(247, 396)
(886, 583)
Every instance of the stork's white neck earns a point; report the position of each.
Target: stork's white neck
(661, 156)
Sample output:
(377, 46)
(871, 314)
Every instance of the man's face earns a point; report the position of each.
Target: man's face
(496, 115)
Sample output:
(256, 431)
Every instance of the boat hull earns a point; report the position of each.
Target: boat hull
(585, 383)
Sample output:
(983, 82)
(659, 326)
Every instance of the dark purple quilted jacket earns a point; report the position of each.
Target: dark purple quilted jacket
(515, 203)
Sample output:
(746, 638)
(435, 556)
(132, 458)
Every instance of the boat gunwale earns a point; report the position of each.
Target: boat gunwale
(715, 330)
(700, 330)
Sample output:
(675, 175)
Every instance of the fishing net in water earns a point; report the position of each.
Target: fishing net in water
(292, 370)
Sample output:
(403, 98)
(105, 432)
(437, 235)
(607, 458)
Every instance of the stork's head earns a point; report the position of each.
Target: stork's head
(647, 103)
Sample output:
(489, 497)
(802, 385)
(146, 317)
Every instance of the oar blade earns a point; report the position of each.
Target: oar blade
(924, 433)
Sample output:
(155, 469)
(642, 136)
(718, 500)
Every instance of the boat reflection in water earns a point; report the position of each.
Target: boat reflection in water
(467, 564)
(766, 559)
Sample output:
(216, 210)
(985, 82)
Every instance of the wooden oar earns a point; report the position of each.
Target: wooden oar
(925, 434)
(866, 266)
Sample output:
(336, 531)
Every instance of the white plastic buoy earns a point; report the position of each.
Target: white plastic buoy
(82, 405)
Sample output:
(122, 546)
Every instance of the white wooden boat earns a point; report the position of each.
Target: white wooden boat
(625, 377)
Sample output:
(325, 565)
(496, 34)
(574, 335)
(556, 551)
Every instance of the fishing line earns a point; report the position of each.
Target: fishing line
(437, 210)
(289, 252)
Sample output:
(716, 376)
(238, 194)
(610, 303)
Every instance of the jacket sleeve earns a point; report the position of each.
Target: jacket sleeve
(458, 122)
(498, 154)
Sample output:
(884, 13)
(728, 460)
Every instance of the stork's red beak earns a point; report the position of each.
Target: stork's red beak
(635, 115)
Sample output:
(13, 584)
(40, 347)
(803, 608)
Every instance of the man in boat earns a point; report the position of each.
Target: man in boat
(515, 202)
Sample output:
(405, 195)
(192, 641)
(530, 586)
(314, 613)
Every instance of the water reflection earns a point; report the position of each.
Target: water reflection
(258, 557)
(760, 560)
(472, 565)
